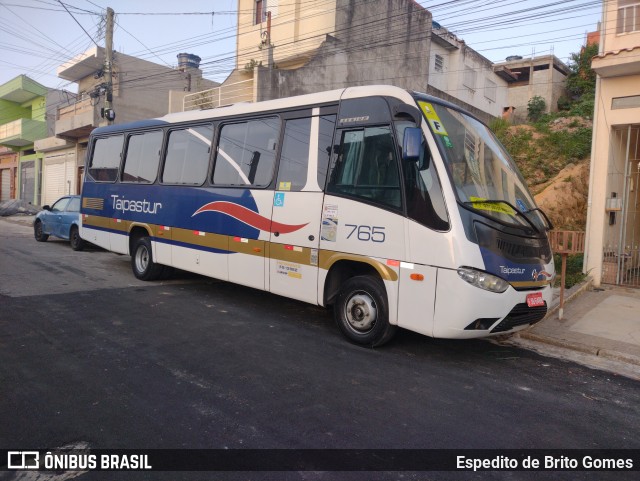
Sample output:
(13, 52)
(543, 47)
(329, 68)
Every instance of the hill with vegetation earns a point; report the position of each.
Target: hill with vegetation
(553, 150)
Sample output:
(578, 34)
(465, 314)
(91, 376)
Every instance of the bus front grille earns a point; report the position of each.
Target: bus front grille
(520, 315)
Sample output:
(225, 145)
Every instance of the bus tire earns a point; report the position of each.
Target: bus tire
(361, 311)
(142, 261)
(38, 232)
(76, 242)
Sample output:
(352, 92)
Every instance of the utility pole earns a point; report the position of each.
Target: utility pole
(109, 113)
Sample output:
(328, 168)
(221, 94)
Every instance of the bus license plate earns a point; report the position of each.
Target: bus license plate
(535, 300)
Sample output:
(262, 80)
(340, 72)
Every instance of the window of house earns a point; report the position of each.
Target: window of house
(469, 78)
(490, 89)
(247, 152)
(142, 157)
(367, 167)
(259, 11)
(628, 16)
(439, 63)
(105, 160)
(187, 159)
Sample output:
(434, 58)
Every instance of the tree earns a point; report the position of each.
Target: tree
(581, 81)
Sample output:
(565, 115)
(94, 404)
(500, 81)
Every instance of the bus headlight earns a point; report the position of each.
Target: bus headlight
(483, 280)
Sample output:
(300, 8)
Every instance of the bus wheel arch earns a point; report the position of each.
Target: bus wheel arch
(360, 304)
(142, 263)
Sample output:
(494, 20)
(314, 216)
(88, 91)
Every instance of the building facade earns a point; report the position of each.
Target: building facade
(544, 76)
(613, 218)
(140, 90)
(26, 115)
(461, 75)
(295, 48)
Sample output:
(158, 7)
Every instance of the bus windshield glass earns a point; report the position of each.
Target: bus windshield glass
(483, 174)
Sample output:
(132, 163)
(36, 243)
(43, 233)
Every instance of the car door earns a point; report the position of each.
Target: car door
(53, 219)
(69, 216)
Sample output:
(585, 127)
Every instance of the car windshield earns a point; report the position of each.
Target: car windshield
(483, 174)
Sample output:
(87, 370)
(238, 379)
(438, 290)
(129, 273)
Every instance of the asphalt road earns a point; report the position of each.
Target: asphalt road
(91, 356)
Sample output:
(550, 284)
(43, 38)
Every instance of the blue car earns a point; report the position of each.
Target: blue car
(62, 220)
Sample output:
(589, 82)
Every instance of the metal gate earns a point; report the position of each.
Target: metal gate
(5, 184)
(28, 181)
(621, 262)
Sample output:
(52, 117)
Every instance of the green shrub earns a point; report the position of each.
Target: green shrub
(584, 108)
(574, 270)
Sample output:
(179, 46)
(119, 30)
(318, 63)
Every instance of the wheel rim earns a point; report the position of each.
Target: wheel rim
(39, 229)
(142, 259)
(74, 237)
(361, 312)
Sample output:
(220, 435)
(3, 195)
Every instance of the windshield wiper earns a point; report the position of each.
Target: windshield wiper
(546, 219)
(515, 209)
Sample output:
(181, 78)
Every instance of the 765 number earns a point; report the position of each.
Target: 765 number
(367, 233)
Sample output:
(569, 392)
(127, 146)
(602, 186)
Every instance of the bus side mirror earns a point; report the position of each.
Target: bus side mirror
(411, 144)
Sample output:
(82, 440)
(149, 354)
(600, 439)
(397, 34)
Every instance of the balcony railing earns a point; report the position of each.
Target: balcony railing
(220, 96)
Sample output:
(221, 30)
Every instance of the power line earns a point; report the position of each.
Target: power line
(79, 24)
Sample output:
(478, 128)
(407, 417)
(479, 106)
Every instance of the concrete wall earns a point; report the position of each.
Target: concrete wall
(547, 79)
(606, 121)
(384, 42)
(618, 68)
(298, 28)
(141, 88)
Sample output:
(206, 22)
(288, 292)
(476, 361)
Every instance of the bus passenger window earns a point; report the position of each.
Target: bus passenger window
(187, 159)
(246, 153)
(367, 167)
(294, 159)
(142, 157)
(105, 160)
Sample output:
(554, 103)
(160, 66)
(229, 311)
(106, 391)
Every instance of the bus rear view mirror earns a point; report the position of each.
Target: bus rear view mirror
(411, 144)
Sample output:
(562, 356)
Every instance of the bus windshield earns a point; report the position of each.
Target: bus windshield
(483, 174)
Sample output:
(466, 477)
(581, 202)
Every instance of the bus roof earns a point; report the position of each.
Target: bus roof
(269, 105)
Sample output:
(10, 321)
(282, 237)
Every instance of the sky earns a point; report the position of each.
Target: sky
(37, 36)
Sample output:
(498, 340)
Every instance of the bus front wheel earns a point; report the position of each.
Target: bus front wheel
(362, 312)
(142, 261)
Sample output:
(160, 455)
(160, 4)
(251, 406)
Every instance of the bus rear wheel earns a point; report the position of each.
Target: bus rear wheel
(362, 312)
(142, 261)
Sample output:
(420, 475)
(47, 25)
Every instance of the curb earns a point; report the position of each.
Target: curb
(574, 346)
(582, 348)
(619, 356)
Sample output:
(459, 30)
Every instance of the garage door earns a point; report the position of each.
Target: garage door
(59, 176)
(5, 184)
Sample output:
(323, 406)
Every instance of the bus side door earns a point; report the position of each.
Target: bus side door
(297, 205)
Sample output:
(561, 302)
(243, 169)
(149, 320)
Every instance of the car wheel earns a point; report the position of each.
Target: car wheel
(362, 312)
(77, 243)
(142, 261)
(38, 232)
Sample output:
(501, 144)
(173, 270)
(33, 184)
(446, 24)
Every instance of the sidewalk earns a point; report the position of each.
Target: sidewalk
(600, 328)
